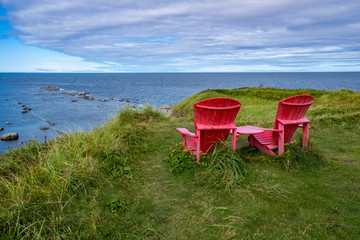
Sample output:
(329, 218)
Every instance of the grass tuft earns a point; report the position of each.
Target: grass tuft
(225, 168)
(298, 158)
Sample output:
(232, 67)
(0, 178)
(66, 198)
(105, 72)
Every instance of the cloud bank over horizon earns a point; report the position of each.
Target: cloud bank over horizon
(194, 36)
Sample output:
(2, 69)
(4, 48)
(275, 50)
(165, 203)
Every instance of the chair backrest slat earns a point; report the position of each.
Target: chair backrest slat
(212, 114)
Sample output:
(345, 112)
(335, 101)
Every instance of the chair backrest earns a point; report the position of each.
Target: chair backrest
(292, 108)
(214, 112)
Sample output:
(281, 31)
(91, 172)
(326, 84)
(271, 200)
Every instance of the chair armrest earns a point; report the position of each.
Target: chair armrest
(217, 127)
(301, 125)
(265, 129)
(293, 122)
(272, 130)
(186, 132)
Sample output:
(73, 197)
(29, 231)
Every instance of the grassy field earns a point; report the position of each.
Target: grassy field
(116, 182)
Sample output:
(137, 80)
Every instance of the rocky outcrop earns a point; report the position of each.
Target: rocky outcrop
(61, 133)
(51, 88)
(50, 123)
(10, 136)
(121, 100)
(70, 93)
(166, 109)
(83, 95)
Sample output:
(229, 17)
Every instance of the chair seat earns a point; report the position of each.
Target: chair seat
(265, 139)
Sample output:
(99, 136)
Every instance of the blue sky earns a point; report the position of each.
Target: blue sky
(179, 36)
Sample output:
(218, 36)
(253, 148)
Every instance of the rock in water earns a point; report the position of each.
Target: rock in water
(8, 123)
(61, 133)
(50, 123)
(124, 100)
(44, 128)
(1, 128)
(51, 88)
(83, 95)
(10, 136)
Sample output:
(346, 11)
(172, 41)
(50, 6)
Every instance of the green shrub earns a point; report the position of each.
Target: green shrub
(116, 166)
(116, 205)
(297, 157)
(180, 158)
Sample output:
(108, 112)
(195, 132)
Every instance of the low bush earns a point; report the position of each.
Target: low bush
(297, 157)
(116, 166)
(294, 157)
(180, 158)
(116, 205)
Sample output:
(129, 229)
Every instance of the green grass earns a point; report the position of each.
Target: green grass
(116, 182)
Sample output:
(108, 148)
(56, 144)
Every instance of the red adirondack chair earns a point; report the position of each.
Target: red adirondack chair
(290, 115)
(214, 118)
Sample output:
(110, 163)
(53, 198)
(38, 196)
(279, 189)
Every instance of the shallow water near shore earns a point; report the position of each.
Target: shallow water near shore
(111, 92)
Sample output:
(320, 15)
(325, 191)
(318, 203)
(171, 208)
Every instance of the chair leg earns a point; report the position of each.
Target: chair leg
(233, 140)
(281, 139)
(251, 140)
(198, 150)
(184, 141)
(305, 134)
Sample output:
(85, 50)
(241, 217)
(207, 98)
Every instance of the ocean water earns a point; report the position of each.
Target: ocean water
(110, 92)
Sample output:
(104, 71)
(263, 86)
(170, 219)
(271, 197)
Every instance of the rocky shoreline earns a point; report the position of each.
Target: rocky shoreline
(83, 95)
(165, 109)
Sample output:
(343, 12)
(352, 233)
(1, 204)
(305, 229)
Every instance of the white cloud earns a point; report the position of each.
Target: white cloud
(159, 34)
